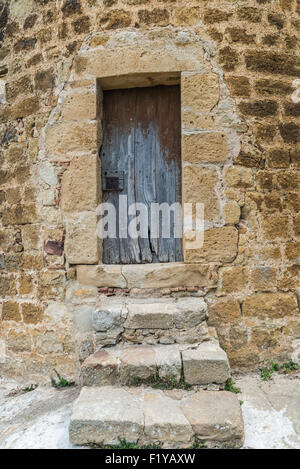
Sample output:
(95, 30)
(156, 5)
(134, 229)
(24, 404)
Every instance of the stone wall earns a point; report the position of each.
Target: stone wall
(249, 267)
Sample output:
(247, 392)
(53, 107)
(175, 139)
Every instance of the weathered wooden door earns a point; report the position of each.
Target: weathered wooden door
(141, 158)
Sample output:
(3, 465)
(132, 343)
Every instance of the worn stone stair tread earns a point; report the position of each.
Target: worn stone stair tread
(171, 419)
(124, 364)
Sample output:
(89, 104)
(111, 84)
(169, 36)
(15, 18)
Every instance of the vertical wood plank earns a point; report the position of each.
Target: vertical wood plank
(142, 137)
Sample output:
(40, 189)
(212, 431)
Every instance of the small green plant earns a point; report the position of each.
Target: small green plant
(156, 382)
(229, 386)
(267, 372)
(30, 388)
(290, 366)
(123, 444)
(61, 383)
(199, 444)
(241, 402)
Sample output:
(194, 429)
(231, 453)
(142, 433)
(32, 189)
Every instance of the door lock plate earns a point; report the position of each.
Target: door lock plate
(113, 180)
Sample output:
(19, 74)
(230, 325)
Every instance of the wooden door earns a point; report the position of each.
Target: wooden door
(141, 158)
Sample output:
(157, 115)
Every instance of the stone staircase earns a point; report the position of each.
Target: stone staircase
(148, 381)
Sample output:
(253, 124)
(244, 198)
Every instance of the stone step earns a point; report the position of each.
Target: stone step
(150, 320)
(169, 419)
(126, 364)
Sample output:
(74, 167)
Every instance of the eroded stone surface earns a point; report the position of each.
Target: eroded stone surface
(105, 415)
(215, 416)
(130, 364)
(147, 416)
(205, 364)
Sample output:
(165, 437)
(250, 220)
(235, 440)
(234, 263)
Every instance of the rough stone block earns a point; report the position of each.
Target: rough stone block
(149, 58)
(190, 312)
(227, 310)
(150, 316)
(264, 278)
(137, 363)
(193, 120)
(200, 186)
(204, 147)
(165, 422)
(200, 91)
(82, 243)
(79, 106)
(270, 305)
(64, 138)
(275, 226)
(206, 364)
(81, 184)
(232, 212)
(220, 245)
(100, 369)
(168, 362)
(101, 275)
(105, 319)
(106, 414)
(215, 416)
(168, 275)
(238, 176)
(233, 279)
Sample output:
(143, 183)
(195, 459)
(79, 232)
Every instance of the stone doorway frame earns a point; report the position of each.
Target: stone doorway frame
(74, 132)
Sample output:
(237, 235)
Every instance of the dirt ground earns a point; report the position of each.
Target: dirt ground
(40, 419)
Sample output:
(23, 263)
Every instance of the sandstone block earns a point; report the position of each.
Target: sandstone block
(19, 342)
(149, 316)
(82, 244)
(137, 363)
(100, 369)
(275, 226)
(106, 414)
(264, 278)
(233, 279)
(220, 245)
(148, 58)
(167, 275)
(103, 320)
(292, 251)
(187, 16)
(208, 147)
(101, 275)
(270, 305)
(206, 364)
(215, 416)
(171, 418)
(238, 176)
(11, 311)
(79, 106)
(189, 312)
(232, 212)
(199, 186)
(227, 310)
(168, 362)
(193, 120)
(32, 313)
(165, 422)
(64, 138)
(200, 91)
(80, 186)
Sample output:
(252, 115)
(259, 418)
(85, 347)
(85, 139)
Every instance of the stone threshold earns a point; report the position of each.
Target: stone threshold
(163, 275)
